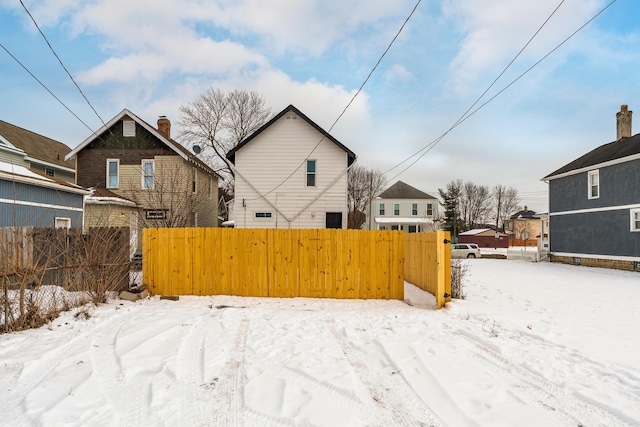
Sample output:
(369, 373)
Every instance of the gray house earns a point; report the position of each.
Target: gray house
(594, 204)
(28, 198)
(22, 147)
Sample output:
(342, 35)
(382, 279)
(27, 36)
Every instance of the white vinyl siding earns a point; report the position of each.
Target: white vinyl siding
(268, 161)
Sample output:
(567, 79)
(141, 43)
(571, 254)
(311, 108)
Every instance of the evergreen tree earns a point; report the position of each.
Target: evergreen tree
(451, 201)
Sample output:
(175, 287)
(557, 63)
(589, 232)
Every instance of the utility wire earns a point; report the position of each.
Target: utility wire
(347, 106)
(432, 144)
(45, 87)
(61, 64)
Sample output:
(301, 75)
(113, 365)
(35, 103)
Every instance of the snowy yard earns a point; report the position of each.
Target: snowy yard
(533, 344)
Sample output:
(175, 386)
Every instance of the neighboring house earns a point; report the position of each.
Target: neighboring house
(290, 173)
(485, 238)
(142, 164)
(594, 204)
(21, 147)
(403, 207)
(28, 198)
(524, 225)
(104, 208)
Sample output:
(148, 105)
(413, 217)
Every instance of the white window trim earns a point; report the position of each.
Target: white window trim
(382, 209)
(153, 166)
(416, 209)
(117, 174)
(62, 222)
(427, 209)
(265, 217)
(194, 180)
(314, 173)
(394, 209)
(128, 128)
(632, 227)
(595, 173)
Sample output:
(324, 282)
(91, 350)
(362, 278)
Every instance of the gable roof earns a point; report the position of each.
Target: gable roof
(479, 231)
(38, 148)
(27, 176)
(171, 143)
(401, 190)
(524, 214)
(625, 149)
(231, 155)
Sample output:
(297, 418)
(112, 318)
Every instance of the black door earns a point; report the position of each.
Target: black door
(334, 219)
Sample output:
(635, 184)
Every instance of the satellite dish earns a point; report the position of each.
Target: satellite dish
(196, 149)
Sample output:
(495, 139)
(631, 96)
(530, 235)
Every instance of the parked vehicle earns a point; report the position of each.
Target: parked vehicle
(465, 250)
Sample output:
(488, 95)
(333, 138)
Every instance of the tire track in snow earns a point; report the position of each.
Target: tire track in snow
(384, 395)
(130, 399)
(548, 395)
(28, 379)
(229, 396)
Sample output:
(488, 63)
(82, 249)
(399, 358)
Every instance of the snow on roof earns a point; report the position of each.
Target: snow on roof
(474, 232)
(23, 174)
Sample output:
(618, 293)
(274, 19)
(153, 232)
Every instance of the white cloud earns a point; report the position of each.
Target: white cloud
(398, 72)
(495, 30)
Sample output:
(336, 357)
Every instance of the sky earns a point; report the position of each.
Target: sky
(153, 57)
(535, 344)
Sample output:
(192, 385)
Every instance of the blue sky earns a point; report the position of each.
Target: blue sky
(152, 57)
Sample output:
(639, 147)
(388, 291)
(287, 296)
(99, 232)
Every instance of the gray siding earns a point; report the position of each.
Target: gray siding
(55, 202)
(596, 233)
(619, 185)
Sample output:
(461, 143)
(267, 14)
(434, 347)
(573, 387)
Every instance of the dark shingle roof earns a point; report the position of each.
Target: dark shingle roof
(36, 146)
(524, 214)
(400, 190)
(622, 148)
(231, 155)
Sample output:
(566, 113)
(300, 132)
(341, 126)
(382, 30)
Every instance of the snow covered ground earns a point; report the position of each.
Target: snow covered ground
(533, 344)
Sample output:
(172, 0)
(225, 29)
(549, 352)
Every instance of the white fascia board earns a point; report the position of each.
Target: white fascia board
(53, 165)
(592, 167)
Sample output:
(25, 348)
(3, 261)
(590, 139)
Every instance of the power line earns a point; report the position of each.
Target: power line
(466, 116)
(348, 104)
(62, 65)
(45, 87)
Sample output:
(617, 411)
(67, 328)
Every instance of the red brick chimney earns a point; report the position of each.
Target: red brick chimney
(623, 122)
(164, 126)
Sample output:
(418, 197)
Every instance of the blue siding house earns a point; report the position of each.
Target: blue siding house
(594, 204)
(28, 198)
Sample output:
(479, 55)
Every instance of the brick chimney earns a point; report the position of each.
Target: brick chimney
(623, 122)
(164, 126)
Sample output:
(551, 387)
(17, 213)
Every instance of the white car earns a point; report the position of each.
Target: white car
(465, 250)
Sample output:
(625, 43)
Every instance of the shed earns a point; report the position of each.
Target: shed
(485, 238)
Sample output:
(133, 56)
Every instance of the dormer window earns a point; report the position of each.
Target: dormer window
(128, 128)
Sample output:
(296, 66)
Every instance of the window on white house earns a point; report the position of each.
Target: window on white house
(128, 128)
(381, 208)
(412, 229)
(113, 173)
(311, 173)
(263, 214)
(414, 209)
(394, 227)
(594, 184)
(148, 174)
(429, 209)
(194, 180)
(635, 219)
(396, 209)
(59, 222)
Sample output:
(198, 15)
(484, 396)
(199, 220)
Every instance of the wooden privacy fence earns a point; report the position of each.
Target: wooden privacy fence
(316, 263)
(428, 263)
